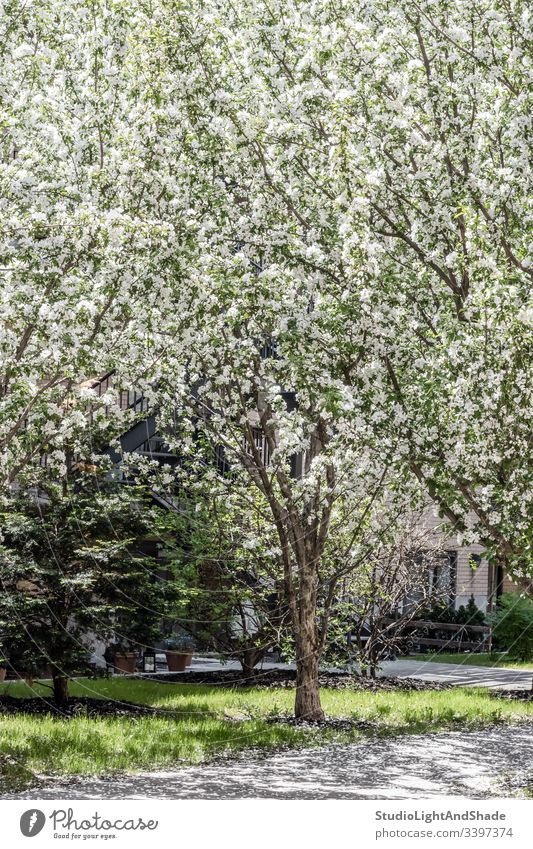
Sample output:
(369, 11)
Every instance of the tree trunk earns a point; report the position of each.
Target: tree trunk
(308, 648)
(307, 704)
(372, 661)
(60, 683)
(249, 659)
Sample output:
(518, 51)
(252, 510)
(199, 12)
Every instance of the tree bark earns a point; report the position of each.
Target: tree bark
(307, 704)
(60, 684)
(249, 660)
(308, 645)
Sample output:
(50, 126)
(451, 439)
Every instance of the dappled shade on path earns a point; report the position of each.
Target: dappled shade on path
(467, 764)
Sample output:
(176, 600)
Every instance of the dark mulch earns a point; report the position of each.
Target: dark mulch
(286, 679)
(330, 722)
(513, 695)
(78, 706)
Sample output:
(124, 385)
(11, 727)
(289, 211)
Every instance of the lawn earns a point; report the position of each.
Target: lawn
(481, 659)
(210, 722)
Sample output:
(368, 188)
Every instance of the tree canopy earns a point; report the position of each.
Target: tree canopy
(366, 172)
(302, 229)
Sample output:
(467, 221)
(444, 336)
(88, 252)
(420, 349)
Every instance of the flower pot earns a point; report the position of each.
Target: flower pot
(125, 662)
(189, 659)
(2, 673)
(176, 661)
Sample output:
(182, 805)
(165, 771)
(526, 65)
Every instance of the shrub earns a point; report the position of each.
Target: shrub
(512, 625)
(469, 614)
(441, 612)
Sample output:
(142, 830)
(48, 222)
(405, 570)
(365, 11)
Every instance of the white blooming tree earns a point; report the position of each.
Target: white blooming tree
(302, 227)
(262, 428)
(88, 231)
(372, 160)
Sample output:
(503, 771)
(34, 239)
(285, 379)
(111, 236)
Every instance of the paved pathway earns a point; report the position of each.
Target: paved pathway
(460, 674)
(463, 764)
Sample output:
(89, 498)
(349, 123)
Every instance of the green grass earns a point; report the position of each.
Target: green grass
(212, 721)
(481, 659)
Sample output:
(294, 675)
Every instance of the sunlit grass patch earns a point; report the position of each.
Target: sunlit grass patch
(209, 721)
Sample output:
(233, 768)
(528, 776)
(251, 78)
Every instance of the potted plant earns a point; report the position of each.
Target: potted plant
(179, 652)
(122, 657)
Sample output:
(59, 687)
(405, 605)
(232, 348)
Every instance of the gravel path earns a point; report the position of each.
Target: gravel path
(466, 764)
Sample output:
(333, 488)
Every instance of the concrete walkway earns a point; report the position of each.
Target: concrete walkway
(459, 674)
(463, 764)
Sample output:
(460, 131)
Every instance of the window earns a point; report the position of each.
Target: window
(442, 575)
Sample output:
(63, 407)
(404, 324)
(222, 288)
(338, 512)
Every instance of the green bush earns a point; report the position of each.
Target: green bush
(512, 625)
(469, 614)
(441, 612)
(465, 614)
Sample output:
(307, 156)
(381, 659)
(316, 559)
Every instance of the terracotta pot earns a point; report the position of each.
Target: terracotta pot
(2, 673)
(125, 662)
(189, 659)
(176, 661)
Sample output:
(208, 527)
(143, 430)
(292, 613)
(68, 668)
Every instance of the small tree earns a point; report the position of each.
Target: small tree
(311, 509)
(392, 589)
(73, 563)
